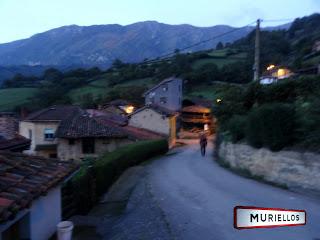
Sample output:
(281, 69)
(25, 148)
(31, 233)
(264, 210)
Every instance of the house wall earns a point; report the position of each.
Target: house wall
(74, 152)
(39, 221)
(173, 95)
(37, 129)
(45, 214)
(151, 120)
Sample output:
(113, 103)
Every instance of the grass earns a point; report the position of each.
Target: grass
(100, 87)
(211, 92)
(14, 97)
(221, 58)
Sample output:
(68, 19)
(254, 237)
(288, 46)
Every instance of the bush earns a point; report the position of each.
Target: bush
(236, 126)
(111, 165)
(271, 125)
(94, 178)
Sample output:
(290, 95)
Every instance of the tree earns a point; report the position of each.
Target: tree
(117, 63)
(219, 46)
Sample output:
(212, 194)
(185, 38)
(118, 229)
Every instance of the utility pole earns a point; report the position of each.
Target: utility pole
(256, 67)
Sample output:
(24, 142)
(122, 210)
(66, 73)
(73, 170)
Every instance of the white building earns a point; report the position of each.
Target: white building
(30, 195)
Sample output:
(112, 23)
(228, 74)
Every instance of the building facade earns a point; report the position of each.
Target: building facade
(31, 209)
(166, 94)
(40, 127)
(156, 119)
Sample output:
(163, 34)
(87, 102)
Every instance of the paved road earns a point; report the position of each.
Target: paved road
(197, 196)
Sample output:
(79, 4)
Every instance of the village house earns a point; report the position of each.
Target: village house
(9, 137)
(118, 106)
(166, 94)
(71, 133)
(316, 46)
(196, 117)
(156, 119)
(30, 195)
(40, 128)
(274, 74)
(81, 136)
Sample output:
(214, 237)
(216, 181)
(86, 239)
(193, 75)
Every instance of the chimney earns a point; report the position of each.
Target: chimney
(8, 125)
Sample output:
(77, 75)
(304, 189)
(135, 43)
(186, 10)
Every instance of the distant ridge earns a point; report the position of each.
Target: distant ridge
(99, 45)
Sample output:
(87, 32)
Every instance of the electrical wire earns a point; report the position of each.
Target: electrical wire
(165, 56)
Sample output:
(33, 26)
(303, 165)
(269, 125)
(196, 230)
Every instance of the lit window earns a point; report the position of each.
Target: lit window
(165, 87)
(49, 134)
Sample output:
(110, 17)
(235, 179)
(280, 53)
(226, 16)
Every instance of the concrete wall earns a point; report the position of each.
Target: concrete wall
(293, 169)
(173, 94)
(151, 120)
(68, 152)
(39, 221)
(37, 129)
(45, 214)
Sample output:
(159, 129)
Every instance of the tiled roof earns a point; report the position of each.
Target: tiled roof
(142, 134)
(82, 125)
(24, 178)
(158, 109)
(113, 118)
(159, 84)
(196, 109)
(19, 142)
(54, 113)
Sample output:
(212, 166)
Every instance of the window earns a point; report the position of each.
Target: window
(165, 87)
(151, 100)
(88, 145)
(52, 155)
(163, 100)
(49, 134)
(30, 133)
(71, 141)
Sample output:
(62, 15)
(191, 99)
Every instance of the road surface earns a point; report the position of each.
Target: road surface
(193, 198)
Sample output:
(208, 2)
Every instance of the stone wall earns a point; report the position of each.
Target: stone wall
(297, 170)
(74, 151)
(8, 125)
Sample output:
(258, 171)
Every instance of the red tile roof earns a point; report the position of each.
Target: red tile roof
(156, 108)
(17, 143)
(196, 109)
(83, 126)
(24, 178)
(142, 134)
(54, 113)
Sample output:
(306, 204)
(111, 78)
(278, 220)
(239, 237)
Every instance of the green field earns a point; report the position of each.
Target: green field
(13, 97)
(220, 58)
(100, 87)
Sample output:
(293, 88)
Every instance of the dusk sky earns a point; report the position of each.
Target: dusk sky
(23, 18)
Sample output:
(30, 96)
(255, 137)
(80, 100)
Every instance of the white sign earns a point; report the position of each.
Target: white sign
(254, 217)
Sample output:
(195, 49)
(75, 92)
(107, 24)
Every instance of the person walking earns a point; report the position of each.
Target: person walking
(203, 144)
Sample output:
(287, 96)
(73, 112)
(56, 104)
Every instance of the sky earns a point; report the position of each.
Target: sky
(23, 18)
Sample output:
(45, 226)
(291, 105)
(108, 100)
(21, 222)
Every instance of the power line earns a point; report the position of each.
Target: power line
(165, 56)
(279, 20)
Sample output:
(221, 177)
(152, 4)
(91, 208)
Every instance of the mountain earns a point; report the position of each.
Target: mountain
(99, 45)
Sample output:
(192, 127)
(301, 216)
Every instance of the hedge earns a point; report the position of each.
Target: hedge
(271, 125)
(111, 165)
(93, 180)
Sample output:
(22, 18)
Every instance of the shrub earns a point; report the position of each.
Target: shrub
(95, 177)
(111, 165)
(236, 126)
(271, 125)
